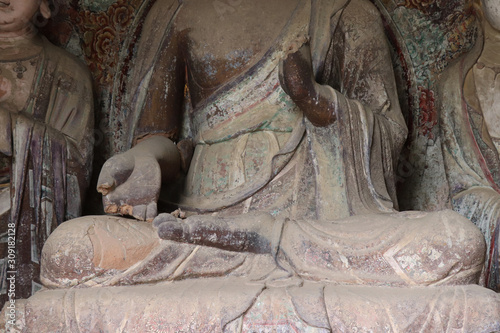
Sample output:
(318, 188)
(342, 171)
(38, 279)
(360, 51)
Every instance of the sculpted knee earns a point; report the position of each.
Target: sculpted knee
(439, 248)
(83, 248)
(67, 256)
(468, 239)
(464, 247)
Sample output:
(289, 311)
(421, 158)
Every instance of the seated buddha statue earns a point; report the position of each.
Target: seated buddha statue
(283, 177)
(295, 125)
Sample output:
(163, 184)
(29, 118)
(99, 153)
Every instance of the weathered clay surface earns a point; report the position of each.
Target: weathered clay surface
(290, 193)
(97, 250)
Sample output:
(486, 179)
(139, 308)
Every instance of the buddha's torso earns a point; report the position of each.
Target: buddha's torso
(222, 39)
(240, 128)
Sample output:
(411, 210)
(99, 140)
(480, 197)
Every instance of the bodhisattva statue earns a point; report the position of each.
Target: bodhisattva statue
(470, 117)
(46, 117)
(289, 192)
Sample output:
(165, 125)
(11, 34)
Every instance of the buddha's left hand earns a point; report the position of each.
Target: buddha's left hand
(240, 234)
(297, 80)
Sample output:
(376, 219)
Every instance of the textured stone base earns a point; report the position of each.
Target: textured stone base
(239, 306)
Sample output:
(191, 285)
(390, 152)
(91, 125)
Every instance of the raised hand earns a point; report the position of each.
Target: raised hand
(131, 182)
(297, 80)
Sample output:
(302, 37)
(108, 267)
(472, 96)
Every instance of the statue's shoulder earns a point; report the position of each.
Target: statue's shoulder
(64, 62)
(362, 18)
(364, 9)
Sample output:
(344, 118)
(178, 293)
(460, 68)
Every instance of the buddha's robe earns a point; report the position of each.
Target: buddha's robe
(328, 199)
(46, 112)
(466, 103)
(254, 145)
(255, 152)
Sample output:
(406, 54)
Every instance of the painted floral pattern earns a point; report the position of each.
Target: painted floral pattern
(103, 33)
(439, 32)
(99, 28)
(422, 5)
(428, 113)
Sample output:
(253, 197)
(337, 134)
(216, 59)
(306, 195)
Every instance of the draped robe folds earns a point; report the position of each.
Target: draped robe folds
(328, 193)
(470, 156)
(49, 144)
(249, 133)
(255, 152)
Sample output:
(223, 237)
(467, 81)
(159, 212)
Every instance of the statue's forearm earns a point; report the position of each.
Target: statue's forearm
(320, 106)
(217, 235)
(164, 151)
(318, 102)
(255, 232)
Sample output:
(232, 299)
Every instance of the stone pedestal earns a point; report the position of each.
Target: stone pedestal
(235, 305)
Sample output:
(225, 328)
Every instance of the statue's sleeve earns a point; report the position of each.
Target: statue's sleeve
(471, 163)
(358, 68)
(70, 124)
(54, 141)
(157, 90)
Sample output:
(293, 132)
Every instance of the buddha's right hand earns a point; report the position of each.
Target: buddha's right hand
(130, 184)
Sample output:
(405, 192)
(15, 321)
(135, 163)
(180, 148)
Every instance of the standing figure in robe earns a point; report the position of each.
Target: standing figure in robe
(46, 117)
(470, 125)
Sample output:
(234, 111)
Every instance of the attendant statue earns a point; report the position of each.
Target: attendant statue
(296, 129)
(470, 117)
(46, 117)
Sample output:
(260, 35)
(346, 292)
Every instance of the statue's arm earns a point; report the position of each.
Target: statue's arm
(253, 232)
(358, 67)
(131, 182)
(314, 99)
